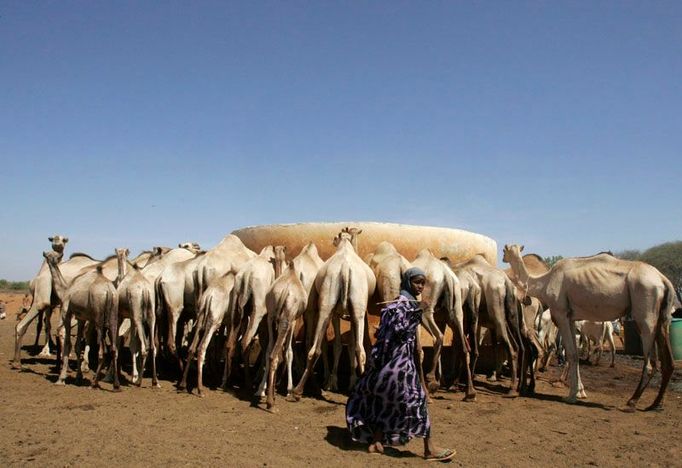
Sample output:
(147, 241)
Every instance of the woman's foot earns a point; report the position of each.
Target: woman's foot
(375, 447)
(439, 454)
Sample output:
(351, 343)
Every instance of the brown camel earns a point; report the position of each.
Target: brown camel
(601, 288)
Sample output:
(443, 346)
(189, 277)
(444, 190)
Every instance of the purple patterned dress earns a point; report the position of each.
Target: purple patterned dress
(389, 396)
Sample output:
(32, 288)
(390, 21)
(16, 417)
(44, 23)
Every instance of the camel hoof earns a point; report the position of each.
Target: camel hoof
(117, 389)
(629, 409)
(60, 383)
(582, 396)
(16, 365)
(492, 378)
(201, 394)
(271, 409)
(470, 398)
(45, 354)
(571, 400)
(294, 397)
(613, 365)
(156, 385)
(181, 386)
(656, 408)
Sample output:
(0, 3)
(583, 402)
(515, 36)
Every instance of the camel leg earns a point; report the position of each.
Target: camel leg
(134, 353)
(260, 392)
(612, 344)
(66, 350)
(142, 340)
(567, 330)
(430, 325)
(20, 331)
(273, 357)
(457, 326)
(79, 352)
(646, 335)
(666, 356)
(192, 350)
(230, 347)
(332, 383)
(359, 330)
(315, 350)
(290, 358)
(473, 341)
(513, 359)
(212, 326)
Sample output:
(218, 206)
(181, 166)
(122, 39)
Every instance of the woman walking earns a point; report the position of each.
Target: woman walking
(388, 404)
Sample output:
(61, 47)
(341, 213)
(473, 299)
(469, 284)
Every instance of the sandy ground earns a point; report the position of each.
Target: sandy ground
(65, 426)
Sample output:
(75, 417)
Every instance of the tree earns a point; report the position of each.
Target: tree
(629, 254)
(668, 259)
(550, 261)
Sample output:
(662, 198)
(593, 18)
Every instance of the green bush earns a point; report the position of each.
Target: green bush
(13, 285)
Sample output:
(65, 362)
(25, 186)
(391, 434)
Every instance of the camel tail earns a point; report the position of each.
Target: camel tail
(345, 280)
(244, 292)
(147, 303)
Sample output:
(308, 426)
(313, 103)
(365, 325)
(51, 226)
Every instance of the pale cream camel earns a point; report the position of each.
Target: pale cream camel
(443, 292)
(388, 266)
(286, 302)
(214, 311)
(136, 302)
(88, 297)
(180, 284)
(45, 301)
(597, 333)
(471, 302)
(547, 333)
(601, 288)
(343, 286)
(252, 283)
(498, 310)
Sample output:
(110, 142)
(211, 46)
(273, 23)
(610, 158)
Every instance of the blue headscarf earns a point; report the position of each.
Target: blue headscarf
(405, 286)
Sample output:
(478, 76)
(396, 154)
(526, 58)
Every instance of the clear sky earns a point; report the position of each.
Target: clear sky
(553, 124)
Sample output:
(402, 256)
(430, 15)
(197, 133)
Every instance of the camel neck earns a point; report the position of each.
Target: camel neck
(122, 269)
(532, 285)
(58, 281)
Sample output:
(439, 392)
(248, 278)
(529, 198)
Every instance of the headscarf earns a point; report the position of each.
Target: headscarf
(405, 286)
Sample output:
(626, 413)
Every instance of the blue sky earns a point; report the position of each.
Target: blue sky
(553, 124)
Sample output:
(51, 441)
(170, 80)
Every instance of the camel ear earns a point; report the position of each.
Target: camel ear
(127, 252)
(50, 239)
(521, 249)
(360, 231)
(45, 254)
(66, 239)
(527, 301)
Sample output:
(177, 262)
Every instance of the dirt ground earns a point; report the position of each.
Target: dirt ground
(66, 426)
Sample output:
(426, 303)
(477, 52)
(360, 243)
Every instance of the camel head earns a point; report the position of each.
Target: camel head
(58, 243)
(511, 251)
(122, 253)
(341, 237)
(280, 259)
(193, 247)
(52, 257)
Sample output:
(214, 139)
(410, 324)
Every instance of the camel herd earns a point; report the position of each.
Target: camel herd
(176, 301)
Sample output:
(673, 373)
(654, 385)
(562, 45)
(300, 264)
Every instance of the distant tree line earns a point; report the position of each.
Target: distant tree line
(13, 285)
(666, 257)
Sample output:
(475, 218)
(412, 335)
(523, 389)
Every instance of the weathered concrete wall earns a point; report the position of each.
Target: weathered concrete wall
(456, 244)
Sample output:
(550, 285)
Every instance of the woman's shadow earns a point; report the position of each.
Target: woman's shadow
(340, 437)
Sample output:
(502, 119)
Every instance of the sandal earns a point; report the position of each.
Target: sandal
(444, 455)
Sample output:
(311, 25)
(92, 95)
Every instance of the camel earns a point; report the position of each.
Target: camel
(180, 284)
(547, 334)
(214, 311)
(498, 310)
(252, 284)
(531, 309)
(601, 288)
(58, 244)
(388, 266)
(286, 302)
(89, 297)
(597, 333)
(471, 302)
(443, 291)
(343, 286)
(136, 301)
(43, 298)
